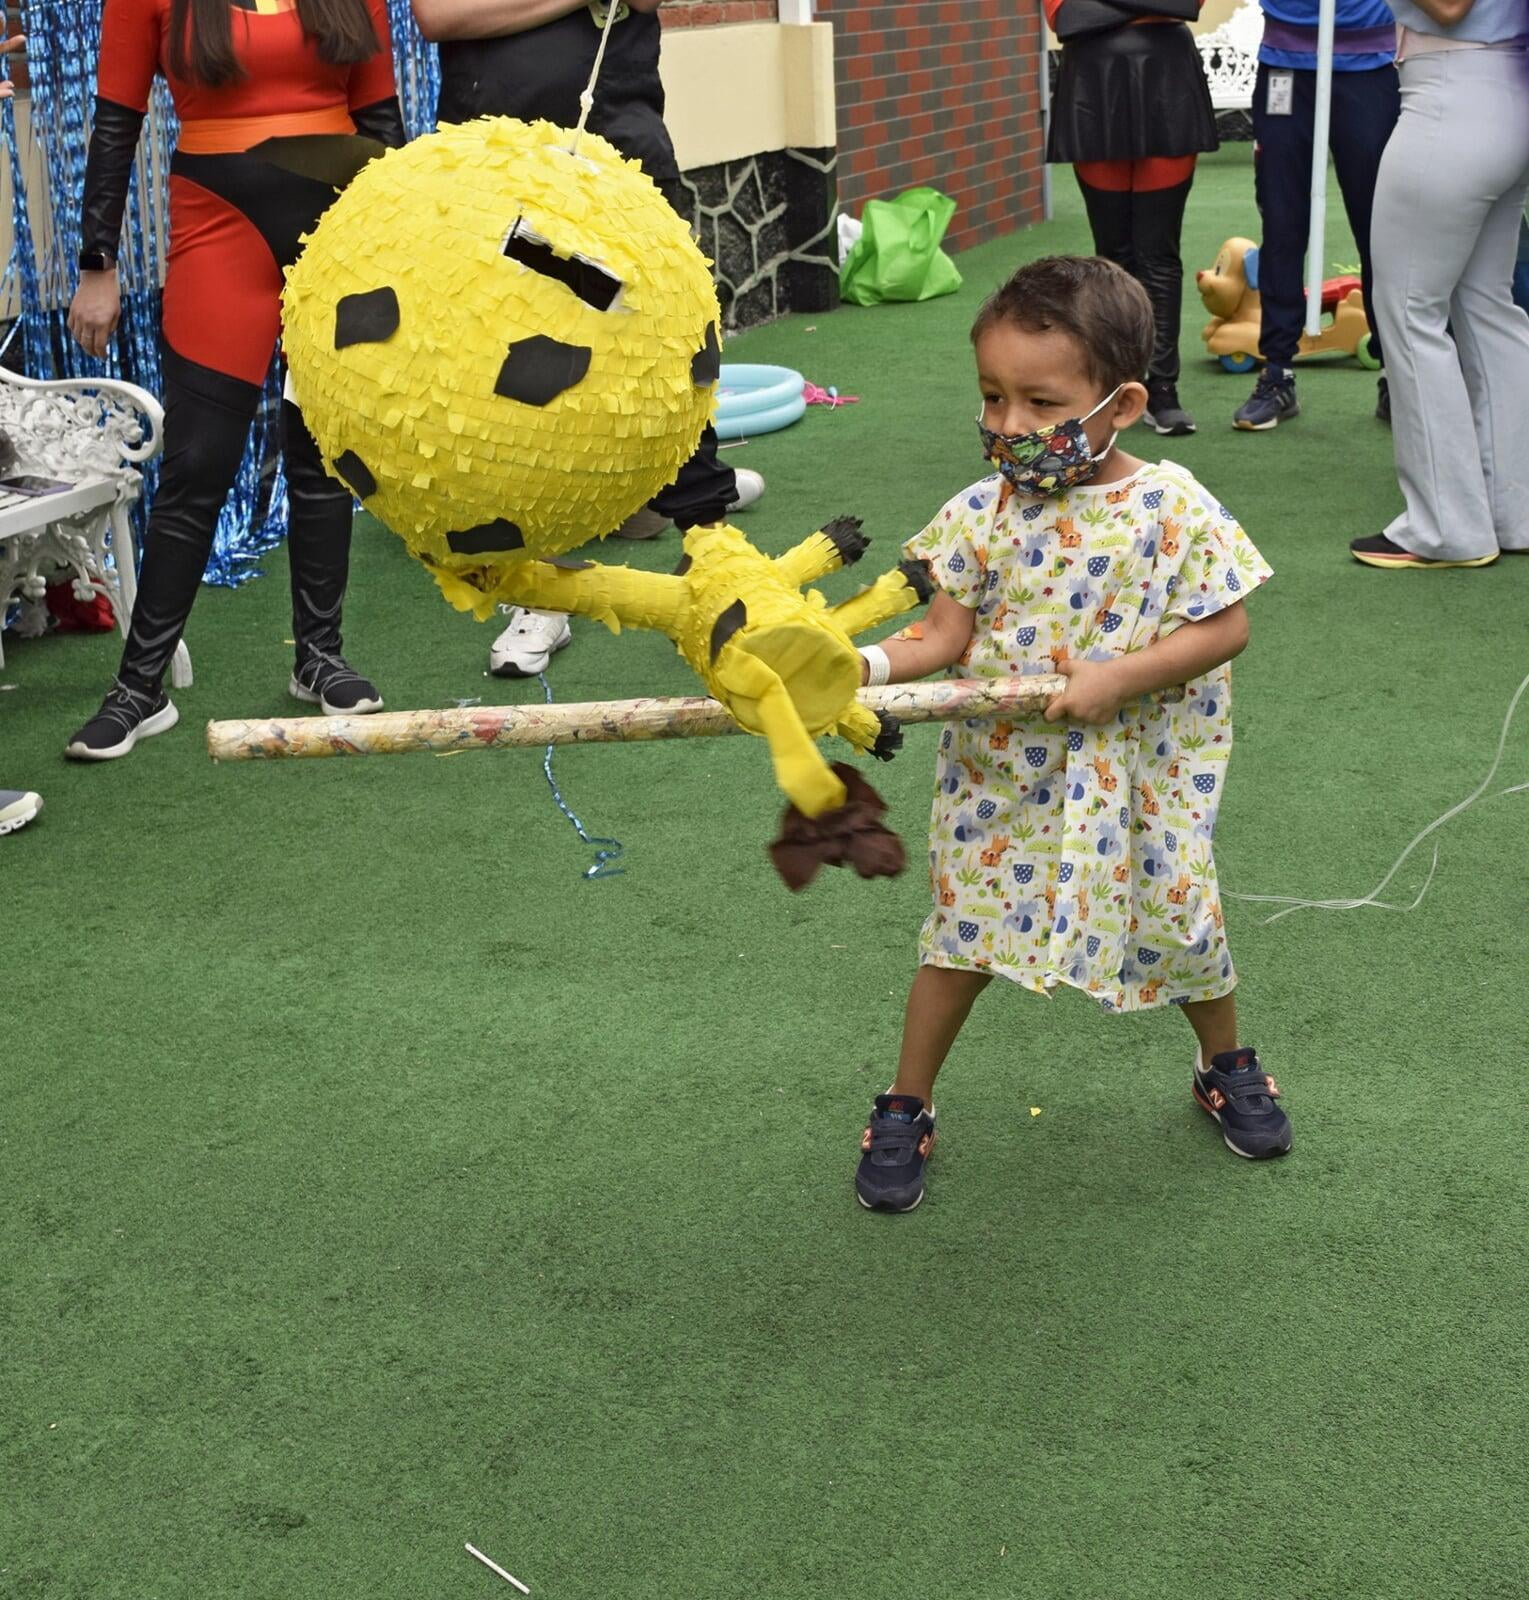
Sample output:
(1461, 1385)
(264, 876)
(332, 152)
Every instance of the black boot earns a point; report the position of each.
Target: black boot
(318, 551)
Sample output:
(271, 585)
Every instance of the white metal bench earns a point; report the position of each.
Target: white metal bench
(91, 434)
(1230, 54)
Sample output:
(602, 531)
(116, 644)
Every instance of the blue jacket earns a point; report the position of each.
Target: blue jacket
(1364, 37)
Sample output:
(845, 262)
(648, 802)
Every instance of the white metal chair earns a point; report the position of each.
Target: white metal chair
(92, 434)
(1230, 54)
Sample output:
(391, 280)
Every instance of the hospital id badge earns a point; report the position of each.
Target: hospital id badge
(1281, 100)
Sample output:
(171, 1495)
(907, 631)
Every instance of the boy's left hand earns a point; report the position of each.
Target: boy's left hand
(1090, 696)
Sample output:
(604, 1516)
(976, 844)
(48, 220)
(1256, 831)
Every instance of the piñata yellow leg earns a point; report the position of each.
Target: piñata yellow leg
(616, 596)
(803, 775)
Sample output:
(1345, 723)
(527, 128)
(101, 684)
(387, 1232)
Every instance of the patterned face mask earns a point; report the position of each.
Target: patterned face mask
(1050, 459)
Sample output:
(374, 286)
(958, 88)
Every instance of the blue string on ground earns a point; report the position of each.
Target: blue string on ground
(606, 850)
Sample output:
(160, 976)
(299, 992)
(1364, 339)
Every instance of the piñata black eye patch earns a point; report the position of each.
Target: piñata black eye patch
(356, 474)
(488, 538)
(537, 370)
(366, 318)
(592, 284)
(706, 363)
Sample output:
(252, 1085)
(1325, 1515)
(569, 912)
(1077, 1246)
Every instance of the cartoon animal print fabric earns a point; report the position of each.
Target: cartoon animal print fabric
(1082, 855)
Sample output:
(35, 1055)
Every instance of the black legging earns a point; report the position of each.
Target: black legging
(207, 421)
(1139, 230)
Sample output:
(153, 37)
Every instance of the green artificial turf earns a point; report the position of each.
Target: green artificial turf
(370, 1183)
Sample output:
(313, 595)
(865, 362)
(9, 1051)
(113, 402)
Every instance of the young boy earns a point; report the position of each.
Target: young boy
(1076, 849)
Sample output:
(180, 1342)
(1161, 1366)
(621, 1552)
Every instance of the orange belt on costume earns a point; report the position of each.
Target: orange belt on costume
(216, 136)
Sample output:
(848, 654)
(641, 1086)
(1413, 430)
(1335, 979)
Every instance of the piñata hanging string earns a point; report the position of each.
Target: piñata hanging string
(587, 99)
(1293, 903)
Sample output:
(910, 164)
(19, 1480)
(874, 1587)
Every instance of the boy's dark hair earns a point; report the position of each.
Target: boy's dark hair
(1099, 305)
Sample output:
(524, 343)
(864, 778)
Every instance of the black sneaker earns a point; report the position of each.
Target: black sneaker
(330, 683)
(894, 1148)
(1376, 550)
(1164, 414)
(1240, 1095)
(1383, 401)
(126, 716)
(1272, 402)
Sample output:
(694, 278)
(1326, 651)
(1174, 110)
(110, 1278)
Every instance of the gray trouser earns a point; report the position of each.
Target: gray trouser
(1445, 234)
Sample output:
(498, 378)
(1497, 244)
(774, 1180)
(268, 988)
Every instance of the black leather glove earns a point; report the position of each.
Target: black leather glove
(382, 120)
(108, 166)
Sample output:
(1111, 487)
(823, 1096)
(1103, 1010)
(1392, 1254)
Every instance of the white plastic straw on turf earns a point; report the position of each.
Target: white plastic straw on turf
(1316, 243)
(493, 1566)
(1292, 903)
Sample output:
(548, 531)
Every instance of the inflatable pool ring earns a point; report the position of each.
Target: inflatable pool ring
(756, 399)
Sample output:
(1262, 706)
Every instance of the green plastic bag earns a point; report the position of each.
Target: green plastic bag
(898, 256)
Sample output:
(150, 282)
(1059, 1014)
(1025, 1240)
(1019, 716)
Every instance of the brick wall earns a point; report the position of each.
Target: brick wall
(941, 92)
(707, 13)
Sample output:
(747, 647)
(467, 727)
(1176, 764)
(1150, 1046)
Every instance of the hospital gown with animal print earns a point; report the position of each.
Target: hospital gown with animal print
(1077, 854)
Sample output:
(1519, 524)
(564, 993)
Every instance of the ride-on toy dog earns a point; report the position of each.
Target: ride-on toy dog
(1230, 292)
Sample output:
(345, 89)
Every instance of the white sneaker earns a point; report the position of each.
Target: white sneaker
(529, 643)
(17, 808)
(750, 487)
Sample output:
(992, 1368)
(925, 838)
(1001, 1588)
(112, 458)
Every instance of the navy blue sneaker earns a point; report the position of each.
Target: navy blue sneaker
(894, 1150)
(1240, 1095)
(1272, 402)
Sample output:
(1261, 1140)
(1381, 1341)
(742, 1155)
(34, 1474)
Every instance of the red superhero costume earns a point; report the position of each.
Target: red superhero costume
(236, 224)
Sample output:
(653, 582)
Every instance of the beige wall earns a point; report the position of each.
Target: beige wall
(740, 90)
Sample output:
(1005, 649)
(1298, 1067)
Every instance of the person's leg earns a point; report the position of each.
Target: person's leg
(1439, 183)
(1521, 266)
(1229, 1083)
(1159, 194)
(1492, 336)
(1106, 190)
(901, 1131)
(1283, 112)
(318, 551)
(938, 1005)
(207, 422)
(318, 539)
(1365, 106)
(704, 489)
(1214, 1023)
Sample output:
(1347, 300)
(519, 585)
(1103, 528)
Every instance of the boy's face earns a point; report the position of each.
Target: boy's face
(1032, 380)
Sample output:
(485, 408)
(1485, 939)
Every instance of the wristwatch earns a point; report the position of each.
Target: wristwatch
(97, 261)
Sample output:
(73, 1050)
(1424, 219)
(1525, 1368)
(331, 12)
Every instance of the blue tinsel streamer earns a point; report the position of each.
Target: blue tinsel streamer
(63, 44)
(606, 850)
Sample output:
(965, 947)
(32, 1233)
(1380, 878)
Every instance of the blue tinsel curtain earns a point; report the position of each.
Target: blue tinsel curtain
(63, 43)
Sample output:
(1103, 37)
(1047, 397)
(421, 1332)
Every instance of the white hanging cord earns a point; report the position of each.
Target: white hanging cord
(587, 99)
(1292, 903)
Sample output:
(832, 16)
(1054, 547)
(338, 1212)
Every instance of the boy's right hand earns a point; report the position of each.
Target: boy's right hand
(95, 311)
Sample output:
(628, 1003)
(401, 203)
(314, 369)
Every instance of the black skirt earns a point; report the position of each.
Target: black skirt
(1137, 91)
